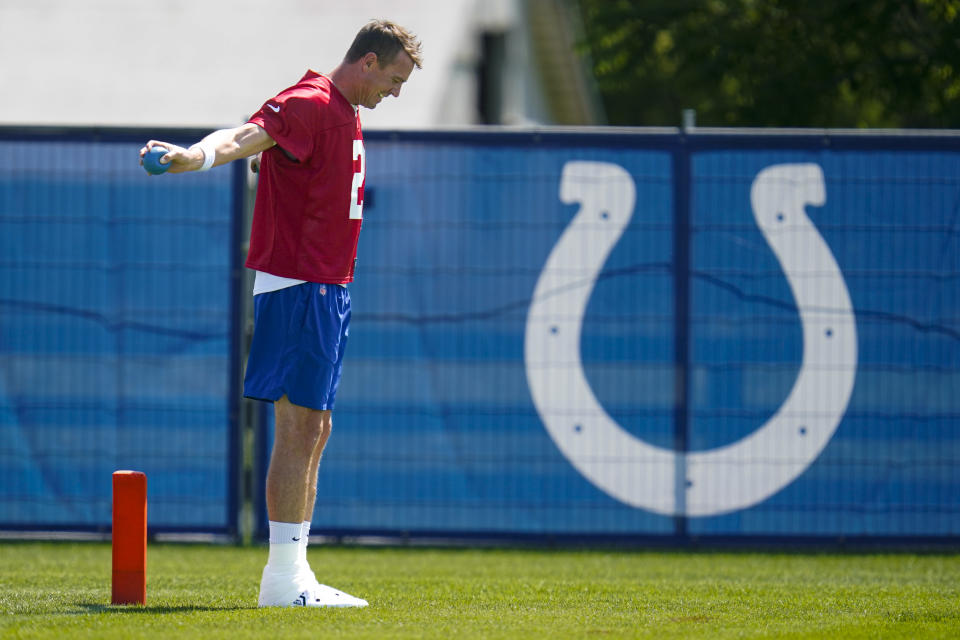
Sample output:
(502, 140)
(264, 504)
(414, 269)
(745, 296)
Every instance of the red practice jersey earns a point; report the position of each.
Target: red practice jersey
(307, 216)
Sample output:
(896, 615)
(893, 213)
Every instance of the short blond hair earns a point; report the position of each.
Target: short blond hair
(386, 39)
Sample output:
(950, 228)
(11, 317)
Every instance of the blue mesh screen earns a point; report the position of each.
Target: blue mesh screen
(438, 427)
(115, 319)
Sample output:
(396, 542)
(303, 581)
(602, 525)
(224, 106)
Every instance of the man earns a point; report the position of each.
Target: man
(303, 245)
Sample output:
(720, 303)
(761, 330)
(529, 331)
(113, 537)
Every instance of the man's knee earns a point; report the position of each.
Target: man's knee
(301, 424)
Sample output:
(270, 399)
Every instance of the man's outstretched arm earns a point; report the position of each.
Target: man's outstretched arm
(226, 145)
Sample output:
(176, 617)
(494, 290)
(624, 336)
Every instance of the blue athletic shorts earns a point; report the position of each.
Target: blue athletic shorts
(299, 336)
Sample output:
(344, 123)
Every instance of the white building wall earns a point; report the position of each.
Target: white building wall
(211, 63)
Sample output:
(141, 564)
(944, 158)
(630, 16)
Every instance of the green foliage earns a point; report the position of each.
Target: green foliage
(847, 63)
(50, 590)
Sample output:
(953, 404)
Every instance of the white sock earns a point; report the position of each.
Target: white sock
(304, 541)
(284, 545)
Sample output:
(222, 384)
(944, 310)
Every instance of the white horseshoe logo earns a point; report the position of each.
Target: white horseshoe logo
(730, 477)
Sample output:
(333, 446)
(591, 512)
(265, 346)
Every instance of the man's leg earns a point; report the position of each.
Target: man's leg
(312, 473)
(299, 437)
(311, 490)
(298, 431)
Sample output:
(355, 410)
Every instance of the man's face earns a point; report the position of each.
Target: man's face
(386, 81)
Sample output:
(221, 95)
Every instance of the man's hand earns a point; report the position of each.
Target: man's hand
(179, 159)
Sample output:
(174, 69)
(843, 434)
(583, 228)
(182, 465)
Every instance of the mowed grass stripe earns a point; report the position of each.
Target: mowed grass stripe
(52, 590)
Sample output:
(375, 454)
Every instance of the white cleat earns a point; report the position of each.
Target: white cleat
(301, 589)
(324, 596)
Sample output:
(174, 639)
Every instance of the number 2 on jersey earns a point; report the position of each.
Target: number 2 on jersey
(356, 204)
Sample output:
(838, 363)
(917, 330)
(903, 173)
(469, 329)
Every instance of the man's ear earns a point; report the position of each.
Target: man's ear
(369, 59)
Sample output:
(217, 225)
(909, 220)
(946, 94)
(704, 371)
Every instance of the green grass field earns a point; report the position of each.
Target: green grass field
(62, 590)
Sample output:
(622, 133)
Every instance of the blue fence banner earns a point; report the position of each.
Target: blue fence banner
(116, 320)
(653, 335)
(598, 333)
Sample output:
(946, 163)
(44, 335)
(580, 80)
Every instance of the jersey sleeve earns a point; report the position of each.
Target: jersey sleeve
(292, 120)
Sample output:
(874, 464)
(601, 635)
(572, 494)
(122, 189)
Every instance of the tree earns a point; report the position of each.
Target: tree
(846, 63)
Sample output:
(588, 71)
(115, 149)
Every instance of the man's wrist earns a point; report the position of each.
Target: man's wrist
(209, 152)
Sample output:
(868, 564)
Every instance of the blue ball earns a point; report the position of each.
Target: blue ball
(151, 161)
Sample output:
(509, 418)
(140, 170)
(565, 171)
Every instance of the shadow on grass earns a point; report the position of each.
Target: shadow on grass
(99, 607)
